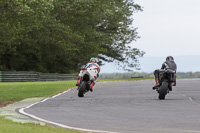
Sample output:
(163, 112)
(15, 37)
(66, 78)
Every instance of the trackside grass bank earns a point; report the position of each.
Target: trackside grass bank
(17, 91)
(7, 126)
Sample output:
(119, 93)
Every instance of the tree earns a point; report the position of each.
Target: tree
(104, 29)
(62, 35)
(32, 39)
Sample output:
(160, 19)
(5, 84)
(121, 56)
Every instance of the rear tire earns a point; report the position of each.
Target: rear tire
(82, 89)
(163, 90)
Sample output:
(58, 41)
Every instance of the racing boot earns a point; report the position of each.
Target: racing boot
(91, 86)
(79, 80)
(170, 88)
(174, 83)
(157, 84)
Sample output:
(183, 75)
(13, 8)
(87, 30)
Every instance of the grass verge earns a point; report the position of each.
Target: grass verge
(7, 126)
(17, 91)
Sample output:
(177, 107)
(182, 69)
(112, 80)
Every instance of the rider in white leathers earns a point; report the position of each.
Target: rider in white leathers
(93, 61)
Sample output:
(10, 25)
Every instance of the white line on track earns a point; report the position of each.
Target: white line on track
(54, 123)
(190, 98)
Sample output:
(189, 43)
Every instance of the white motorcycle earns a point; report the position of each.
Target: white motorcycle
(89, 75)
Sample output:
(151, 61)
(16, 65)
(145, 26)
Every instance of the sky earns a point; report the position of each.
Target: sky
(166, 27)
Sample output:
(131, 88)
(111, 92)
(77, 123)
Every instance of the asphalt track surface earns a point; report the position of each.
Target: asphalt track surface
(126, 107)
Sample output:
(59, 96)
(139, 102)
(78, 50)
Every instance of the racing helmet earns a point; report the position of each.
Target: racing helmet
(94, 60)
(169, 58)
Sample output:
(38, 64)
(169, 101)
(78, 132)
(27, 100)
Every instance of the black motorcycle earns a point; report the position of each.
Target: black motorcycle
(167, 79)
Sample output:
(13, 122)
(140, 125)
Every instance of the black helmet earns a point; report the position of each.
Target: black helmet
(169, 58)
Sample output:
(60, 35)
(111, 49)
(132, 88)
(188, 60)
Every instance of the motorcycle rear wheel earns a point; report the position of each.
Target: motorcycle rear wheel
(163, 90)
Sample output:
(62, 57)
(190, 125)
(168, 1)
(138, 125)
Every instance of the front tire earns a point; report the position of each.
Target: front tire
(82, 89)
(163, 90)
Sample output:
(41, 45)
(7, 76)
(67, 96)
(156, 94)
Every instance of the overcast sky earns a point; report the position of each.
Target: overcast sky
(168, 27)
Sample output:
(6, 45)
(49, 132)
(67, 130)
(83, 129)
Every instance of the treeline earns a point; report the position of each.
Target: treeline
(188, 75)
(62, 35)
(125, 75)
(147, 75)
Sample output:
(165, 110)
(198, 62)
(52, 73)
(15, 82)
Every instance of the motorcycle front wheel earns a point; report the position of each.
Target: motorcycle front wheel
(82, 89)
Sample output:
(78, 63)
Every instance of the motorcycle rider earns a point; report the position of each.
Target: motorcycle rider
(93, 61)
(168, 64)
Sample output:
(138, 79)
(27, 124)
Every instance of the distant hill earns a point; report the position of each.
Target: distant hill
(148, 64)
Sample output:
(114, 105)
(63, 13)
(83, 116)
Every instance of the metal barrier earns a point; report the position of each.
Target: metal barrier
(23, 76)
(0, 77)
(138, 77)
(55, 76)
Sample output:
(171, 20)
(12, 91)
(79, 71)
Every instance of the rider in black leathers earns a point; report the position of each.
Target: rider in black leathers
(168, 64)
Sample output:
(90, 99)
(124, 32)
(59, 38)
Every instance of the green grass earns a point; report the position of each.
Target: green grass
(7, 126)
(16, 91)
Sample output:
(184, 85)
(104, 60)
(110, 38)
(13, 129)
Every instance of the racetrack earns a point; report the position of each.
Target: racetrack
(126, 107)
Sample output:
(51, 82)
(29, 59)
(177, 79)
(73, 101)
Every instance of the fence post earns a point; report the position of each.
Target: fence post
(0, 76)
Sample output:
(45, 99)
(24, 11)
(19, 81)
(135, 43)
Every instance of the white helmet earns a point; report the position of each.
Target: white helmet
(94, 60)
